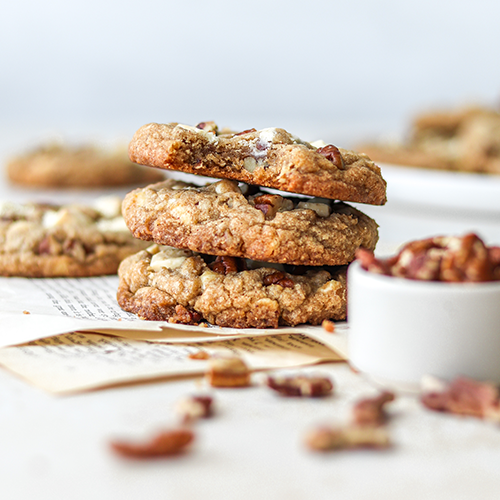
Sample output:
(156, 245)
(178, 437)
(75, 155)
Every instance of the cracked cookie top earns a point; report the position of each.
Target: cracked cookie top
(42, 240)
(225, 219)
(168, 284)
(270, 157)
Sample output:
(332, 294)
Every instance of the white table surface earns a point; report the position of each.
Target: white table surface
(57, 447)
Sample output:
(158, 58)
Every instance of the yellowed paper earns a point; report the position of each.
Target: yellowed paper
(82, 361)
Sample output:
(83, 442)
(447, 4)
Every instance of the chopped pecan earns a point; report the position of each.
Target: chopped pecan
(465, 396)
(338, 438)
(225, 265)
(467, 259)
(49, 246)
(278, 278)
(228, 372)
(185, 316)
(194, 407)
(449, 259)
(268, 204)
(74, 248)
(370, 411)
(199, 355)
(166, 443)
(301, 385)
(208, 127)
(247, 131)
(332, 153)
(328, 325)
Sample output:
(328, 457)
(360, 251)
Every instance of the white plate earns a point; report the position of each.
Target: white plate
(446, 190)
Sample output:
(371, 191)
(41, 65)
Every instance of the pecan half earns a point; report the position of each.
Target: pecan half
(338, 438)
(228, 372)
(465, 396)
(301, 385)
(332, 153)
(194, 407)
(278, 278)
(166, 443)
(370, 411)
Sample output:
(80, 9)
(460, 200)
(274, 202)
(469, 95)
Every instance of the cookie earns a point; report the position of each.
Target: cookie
(79, 167)
(39, 240)
(219, 219)
(466, 139)
(164, 283)
(271, 157)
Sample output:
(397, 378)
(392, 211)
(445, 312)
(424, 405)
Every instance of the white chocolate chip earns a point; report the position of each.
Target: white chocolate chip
(249, 164)
(208, 277)
(207, 134)
(318, 144)
(115, 225)
(109, 206)
(321, 209)
(173, 259)
(226, 186)
(65, 216)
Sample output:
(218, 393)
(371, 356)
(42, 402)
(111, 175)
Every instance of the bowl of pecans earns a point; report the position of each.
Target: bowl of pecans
(432, 309)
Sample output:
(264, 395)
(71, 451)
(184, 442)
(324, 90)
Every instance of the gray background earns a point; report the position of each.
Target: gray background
(340, 71)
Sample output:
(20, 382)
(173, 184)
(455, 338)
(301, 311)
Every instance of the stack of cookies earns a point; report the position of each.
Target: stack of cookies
(237, 252)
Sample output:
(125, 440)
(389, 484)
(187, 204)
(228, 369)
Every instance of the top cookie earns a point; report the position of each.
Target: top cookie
(270, 157)
(81, 167)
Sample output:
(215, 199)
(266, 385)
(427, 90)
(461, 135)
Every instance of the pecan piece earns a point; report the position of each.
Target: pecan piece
(225, 265)
(185, 316)
(228, 372)
(332, 153)
(465, 396)
(338, 438)
(328, 325)
(166, 443)
(199, 355)
(466, 259)
(247, 131)
(208, 127)
(301, 385)
(370, 411)
(194, 407)
(278, 278)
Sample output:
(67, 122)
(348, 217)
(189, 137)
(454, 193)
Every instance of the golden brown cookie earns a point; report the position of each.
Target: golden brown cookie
(46, 241)
(465, 139)
(219, 219)
(164, 283)
(271, 157)
(82, 167)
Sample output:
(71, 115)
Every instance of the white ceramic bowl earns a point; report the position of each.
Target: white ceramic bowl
(401, 330)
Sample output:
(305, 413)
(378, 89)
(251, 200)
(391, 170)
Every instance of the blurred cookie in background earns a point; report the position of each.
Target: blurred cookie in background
(464, 139)
(56, 165)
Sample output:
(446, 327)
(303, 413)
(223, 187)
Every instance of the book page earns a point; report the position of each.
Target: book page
(36, 308)
(82, 361)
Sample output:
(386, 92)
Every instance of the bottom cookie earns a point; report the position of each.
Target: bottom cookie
(168, 284)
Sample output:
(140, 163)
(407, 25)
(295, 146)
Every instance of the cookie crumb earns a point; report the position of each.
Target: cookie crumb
(26, 312)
